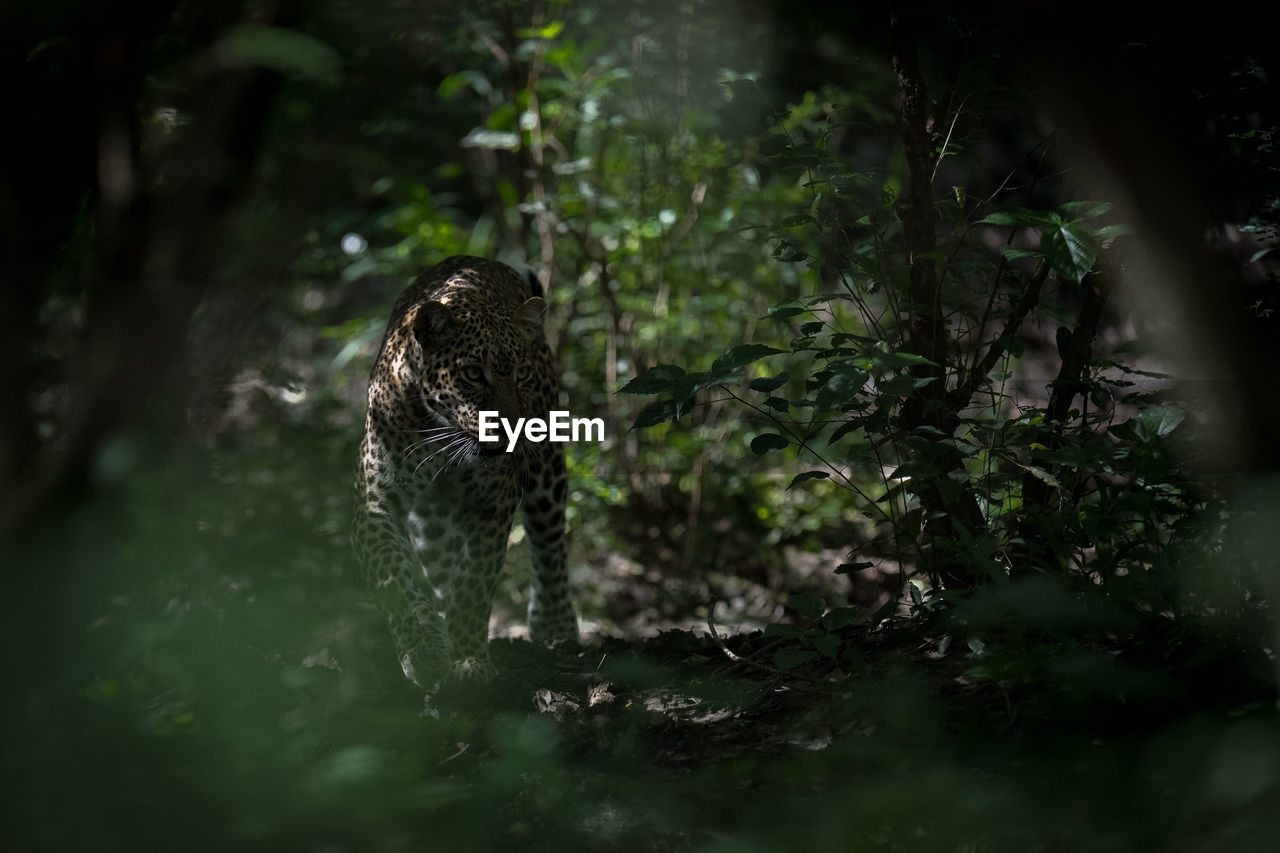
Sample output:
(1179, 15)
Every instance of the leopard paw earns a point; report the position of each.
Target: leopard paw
(474, 668)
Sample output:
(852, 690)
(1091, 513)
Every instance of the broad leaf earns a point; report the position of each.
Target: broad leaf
(828, 644)
(807, 475)
(784, 310)
(1150, 425)
(1070, 249)
(902, 386)
(768, 383)
(284, 50)
(887, 360)
(767, 441)
(844, 429)
(655, 380)
(841, 384)
(778, 404)
(655, 413)
(550, 31)
(1018, 216)
(1108, 231)
(1075, 211)
(807, 606)
(1013, 253)
(739, 357)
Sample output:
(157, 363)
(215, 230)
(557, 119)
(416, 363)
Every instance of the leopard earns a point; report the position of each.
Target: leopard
(434, 504)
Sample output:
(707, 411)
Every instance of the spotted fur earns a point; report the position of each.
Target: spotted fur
(434, 506)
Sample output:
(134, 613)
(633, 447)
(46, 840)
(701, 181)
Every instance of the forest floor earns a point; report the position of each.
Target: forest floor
(196, 666)
(928, 741)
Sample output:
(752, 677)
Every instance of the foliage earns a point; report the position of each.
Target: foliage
(724, 202)
(915, 443)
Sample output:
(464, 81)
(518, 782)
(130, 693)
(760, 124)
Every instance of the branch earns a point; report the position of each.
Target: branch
(1036, 532)
(1097, 287)
(915, 209)
(963, 393)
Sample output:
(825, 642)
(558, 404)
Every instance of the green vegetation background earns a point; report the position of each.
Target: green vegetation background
(209, 213)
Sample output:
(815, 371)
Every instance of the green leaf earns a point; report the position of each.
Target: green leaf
(1075, 211)
(844, 429)
(778, 404)
(768, 383)
(1108, 231)
(452, 84)
(840, 384)
(902, 386)
(1012, 345)
(503, 118)
(739, 357)
(828, 644)
(917, 468)
(767, 441)
(783, 310)
(1017, 216)
(896, 360)
(803, 151)
(655, 380)
(808, 475)
(550, 31)
(1150, 425)
(1013, 253)
(686, 386)
(287, 51)
(1070, 249)
(807, 606)
(655, 413)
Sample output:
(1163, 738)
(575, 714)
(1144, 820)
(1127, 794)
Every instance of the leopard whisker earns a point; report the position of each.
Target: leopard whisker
(459, 441)
(440, 434)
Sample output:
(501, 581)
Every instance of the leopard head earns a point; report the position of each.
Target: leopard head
(463, 357)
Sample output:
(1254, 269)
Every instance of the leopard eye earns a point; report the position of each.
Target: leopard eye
(472, 373)
(524, 371)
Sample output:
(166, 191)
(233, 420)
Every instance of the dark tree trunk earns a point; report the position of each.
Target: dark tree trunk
(951, 509)
(153, 249)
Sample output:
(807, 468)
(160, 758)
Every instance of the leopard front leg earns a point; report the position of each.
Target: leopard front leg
(551, 615)
(413, 613)
(471, 602)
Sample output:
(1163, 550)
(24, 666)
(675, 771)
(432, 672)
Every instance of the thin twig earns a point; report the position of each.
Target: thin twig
(462, 747)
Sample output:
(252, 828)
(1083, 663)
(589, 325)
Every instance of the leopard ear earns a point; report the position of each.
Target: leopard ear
(431, 322)
(528, 318)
